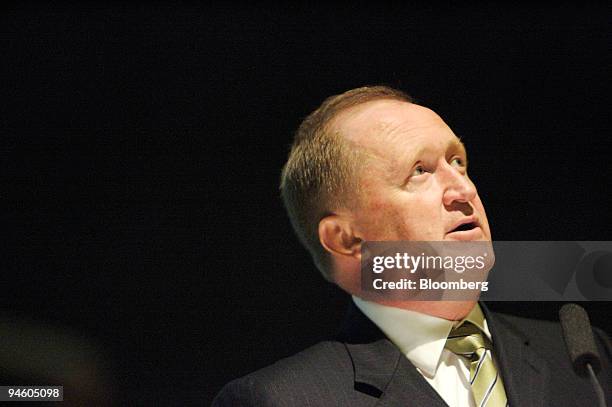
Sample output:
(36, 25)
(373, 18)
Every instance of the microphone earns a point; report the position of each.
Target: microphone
(581, 346)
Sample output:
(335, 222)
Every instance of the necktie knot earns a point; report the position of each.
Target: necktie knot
(467, 340)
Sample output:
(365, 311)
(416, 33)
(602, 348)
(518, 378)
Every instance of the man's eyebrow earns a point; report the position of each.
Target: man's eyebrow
(458, 143)
(455, 143)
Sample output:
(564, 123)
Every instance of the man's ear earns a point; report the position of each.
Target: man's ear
(337, 236)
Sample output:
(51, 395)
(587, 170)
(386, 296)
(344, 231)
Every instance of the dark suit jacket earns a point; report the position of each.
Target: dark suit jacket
(361, 367)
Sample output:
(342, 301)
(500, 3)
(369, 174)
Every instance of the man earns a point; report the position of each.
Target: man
(370, 165)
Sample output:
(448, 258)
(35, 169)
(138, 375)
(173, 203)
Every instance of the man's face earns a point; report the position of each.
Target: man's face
(413, 183)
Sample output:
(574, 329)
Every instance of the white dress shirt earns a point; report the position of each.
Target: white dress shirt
(421, 338)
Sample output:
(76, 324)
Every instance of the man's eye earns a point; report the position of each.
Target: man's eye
(457, 162)
(418, 171)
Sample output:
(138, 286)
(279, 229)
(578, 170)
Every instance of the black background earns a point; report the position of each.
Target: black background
(142, 147)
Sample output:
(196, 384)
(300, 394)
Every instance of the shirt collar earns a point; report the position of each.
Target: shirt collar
(420, 337)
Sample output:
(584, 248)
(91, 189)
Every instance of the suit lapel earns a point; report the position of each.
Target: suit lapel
(380, 368)
(407, 387)
(525, 374)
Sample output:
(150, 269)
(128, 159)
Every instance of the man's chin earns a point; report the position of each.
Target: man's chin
(450, 310)
(457, 310)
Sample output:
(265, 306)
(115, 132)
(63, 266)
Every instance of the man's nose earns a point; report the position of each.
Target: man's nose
(457, 186)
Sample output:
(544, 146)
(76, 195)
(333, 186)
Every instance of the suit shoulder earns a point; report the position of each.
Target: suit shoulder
(527, 325)
(547, 336)
(318, 359)
(530, 327)
(292, 380)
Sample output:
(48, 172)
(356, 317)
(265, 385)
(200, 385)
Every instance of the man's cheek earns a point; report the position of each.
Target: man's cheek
(384, 222)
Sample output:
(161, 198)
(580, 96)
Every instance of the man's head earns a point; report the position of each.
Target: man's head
(400, 173)
(319, 177)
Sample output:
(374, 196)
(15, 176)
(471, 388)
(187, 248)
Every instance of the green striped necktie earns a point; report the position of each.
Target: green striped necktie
(468, 341)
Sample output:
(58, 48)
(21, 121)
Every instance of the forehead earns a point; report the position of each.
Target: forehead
(383, 123)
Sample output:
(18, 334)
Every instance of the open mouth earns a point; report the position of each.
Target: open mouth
(465, 227)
